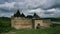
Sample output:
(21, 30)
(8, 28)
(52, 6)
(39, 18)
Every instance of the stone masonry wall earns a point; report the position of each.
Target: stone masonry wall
(21, 23)
(43, 23)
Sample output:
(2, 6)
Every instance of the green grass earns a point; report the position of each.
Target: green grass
(28, 32)
(31, 32)
(55, 30)
(5, 24)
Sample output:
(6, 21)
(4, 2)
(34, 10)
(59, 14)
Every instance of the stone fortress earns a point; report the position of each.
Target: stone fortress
(20, 21)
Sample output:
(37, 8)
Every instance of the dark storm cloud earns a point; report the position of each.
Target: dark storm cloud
(48, 12)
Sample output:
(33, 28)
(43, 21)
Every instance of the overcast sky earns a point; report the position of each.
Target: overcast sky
(43, 8)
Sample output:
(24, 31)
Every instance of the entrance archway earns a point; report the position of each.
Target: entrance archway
(38, 26)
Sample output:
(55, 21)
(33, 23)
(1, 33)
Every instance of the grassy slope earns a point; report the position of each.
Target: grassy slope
(55, 30)
(4, 21)
(4, 24)
(56, 19)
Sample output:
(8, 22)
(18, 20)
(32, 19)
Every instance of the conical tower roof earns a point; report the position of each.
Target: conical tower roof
(35, 16)
(22, 15)
(17, 14)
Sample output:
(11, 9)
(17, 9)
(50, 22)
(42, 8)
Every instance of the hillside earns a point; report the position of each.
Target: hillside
(55, 19)
(5, 20)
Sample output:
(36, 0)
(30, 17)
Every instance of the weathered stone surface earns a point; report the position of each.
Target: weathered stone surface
(21, 23)
(43, 23)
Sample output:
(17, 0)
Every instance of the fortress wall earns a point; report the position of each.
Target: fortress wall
(47, 23)
(43, 23)
(38, 22)
(21, 23)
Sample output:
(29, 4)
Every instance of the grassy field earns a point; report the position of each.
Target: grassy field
(55, 30)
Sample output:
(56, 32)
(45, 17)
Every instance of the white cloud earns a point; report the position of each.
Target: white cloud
(7, 5)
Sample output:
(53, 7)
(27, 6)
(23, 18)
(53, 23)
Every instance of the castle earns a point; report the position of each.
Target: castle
(20, 21)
